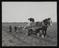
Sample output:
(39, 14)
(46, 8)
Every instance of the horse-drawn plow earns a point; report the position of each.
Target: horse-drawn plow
(22, 36)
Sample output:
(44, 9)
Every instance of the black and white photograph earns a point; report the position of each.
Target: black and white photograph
(29, 23)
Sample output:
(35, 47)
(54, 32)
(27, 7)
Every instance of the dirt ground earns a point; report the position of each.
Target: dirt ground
(21, 39)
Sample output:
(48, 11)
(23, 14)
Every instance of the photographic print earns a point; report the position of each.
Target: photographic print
(29, 23)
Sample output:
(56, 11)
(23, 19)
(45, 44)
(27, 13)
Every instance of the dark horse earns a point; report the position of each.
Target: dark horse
(42, 26)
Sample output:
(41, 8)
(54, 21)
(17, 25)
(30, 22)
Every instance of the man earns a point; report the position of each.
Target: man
(15, 28)
(10, 28)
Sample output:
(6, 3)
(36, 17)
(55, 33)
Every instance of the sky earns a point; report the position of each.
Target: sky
(21, 11)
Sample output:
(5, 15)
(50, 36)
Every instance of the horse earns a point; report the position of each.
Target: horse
(45, 24)
(41, 26)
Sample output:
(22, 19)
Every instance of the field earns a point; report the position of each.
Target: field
(21, 39)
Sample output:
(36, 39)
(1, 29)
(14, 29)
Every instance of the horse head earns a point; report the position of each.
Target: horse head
(47, 22)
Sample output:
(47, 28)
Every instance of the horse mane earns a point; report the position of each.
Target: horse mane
(46, 19)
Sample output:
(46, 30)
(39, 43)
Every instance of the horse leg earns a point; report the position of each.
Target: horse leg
(29, 32)
(37, 31)
(45, 33)
(40, 33)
